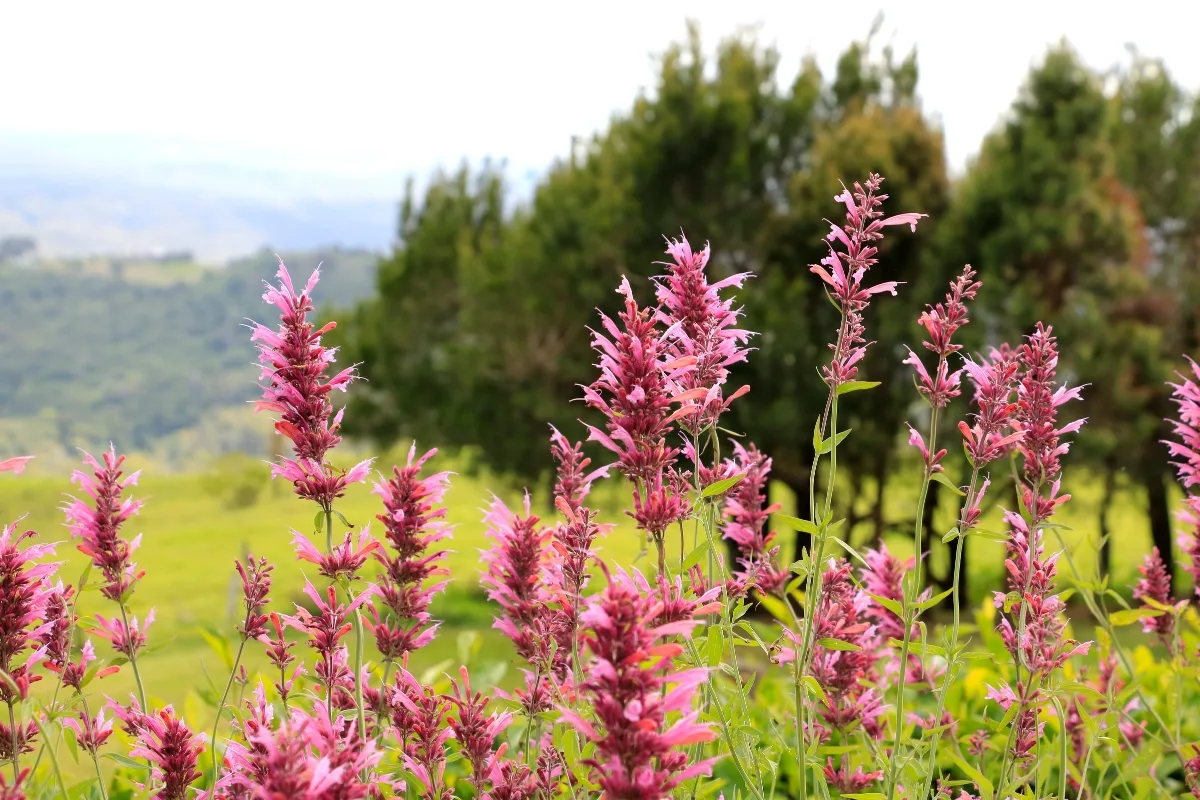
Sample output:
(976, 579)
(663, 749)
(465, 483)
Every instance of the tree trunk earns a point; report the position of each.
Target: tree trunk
(1110, 489)
(1158, 507)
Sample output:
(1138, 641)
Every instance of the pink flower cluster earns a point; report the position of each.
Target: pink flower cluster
(746, 514)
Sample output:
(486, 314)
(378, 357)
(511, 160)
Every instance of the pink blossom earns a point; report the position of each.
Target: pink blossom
(1186, 452)
(325, 630)
(24, 595)
(15, 464)
(746, 513)
(98, 524)
(848, 782)
(931, 460)
(256, 587)
(1037, 402)
(294, 367)
(126, 641)
(1155, 586)
(172, 750)
(475, 731)
(708, 336)
(91, 734)
(414, 522)
(419, 716)
(344, 560)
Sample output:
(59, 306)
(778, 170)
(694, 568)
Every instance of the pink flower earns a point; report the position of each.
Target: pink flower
(843, 271)
(658, 506)
(1155, 585)
(848, 782)
(995, 379)
(344, 560)
(294, 366)
(90, 733)
(414, 522)
(475, 731)
(1037, 402)
(633, 390)
(419, 715)
(631, 689)
(98, 524)
(280, 656)
(172, 750)
(1186, 451)
(708, 336)
(256, 587)
(15, 464)
(325, 630)
(126, 641)
(24, 595)
(931, 460)
(573, 481)
(746, 512)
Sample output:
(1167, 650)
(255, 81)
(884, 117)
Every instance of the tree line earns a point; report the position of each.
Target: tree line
(1082, 207)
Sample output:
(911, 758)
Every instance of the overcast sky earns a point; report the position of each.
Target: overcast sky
(403, 86)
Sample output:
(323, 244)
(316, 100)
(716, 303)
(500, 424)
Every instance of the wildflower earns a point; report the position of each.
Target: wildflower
(91, 734)
(423, 732)
(1154, 590)
(746, 512)
(74, 672)
(413, 523)
(172, 750)
(24, 595)
(707, 333)
(325, 630)
(572, 479)
(256, 586)
(633, 389)
(843, 272)
(279, 654)
(1186, 395)
(995, 379)
(931, 460)
(15, 464)
(60, 618)
(294, 365)
(658, 506)
(848, 782)
(125, 640)
(637, 755)
(1191, 772)
(474, 732)
(98, 524)
(942, 322)
(343, 560)
(512, 781)
(514, 565)
(13, 791)
(1038, 401)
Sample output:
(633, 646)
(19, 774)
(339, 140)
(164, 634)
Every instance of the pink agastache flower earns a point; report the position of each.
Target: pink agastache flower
(419, 716)
(344, 560)
(1038, 399)
(413, 521)
(995, 380)
(14, 790)
(746, 513)
(638, 753)
(294, 366)
(565, 574)
(513, 569)
(848, 782)
(844, 271)
(1191, 772)
(172, 750)
(1186, 452)
(932, 461)
(634, 388)
(882, 577)
(74, 672)
(476, 731)
(843, 616)
(280, 656)
(658, 505)
(1154, 591)
(25, 592)
(325, 630)
(15, 464)
(98, 524)
(708, 334)
(256, 589)
(91, 734)
(125, 640)
(942, 321)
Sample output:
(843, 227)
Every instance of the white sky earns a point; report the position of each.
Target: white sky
(403, 86)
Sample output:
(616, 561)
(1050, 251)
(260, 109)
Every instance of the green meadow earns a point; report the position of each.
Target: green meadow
(192, 537)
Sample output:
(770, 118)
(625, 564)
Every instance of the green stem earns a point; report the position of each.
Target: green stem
(133, 662)
(216, 765)
(16, 742)
(87, 714)
(62, 785)
(909, 597)
(359, 636)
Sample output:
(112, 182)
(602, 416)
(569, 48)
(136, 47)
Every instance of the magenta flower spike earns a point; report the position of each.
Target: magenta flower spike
(172, 750)
(746, 513)
(98, 524)
(1186, 455)
(296, 387)
(25, 593)
(15, 464)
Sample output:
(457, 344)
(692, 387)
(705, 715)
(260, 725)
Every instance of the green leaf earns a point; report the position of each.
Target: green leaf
(83, 578)
(694, 557)
(811, 684)
(1132, 615)
(795, 523)
(987, 535)
(849, 550)
(888, 603)
(721, 486)
(933, 601)
(72, 744)
(817, 437)
(319, 522)
(838, 644)
(716, 645)
(941, 478)
(345, 521)
(855, 386)
(985, 786)
(126, 761)
(951, 535)
(833, 441)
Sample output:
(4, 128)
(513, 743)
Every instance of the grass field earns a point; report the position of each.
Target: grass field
(192, 537)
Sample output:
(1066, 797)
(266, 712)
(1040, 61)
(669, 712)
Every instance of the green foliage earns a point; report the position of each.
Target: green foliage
(236, 480)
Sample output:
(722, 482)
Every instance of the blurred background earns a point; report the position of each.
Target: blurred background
(475, 178)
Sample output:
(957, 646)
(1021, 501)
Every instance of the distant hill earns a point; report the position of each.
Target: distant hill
(136, 353)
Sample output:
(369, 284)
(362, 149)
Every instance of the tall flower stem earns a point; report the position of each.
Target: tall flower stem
(16, 742)
(910, 595)
(216, 765)
(133, 662)
(87, 715)
(58, 776)
(358, 644)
